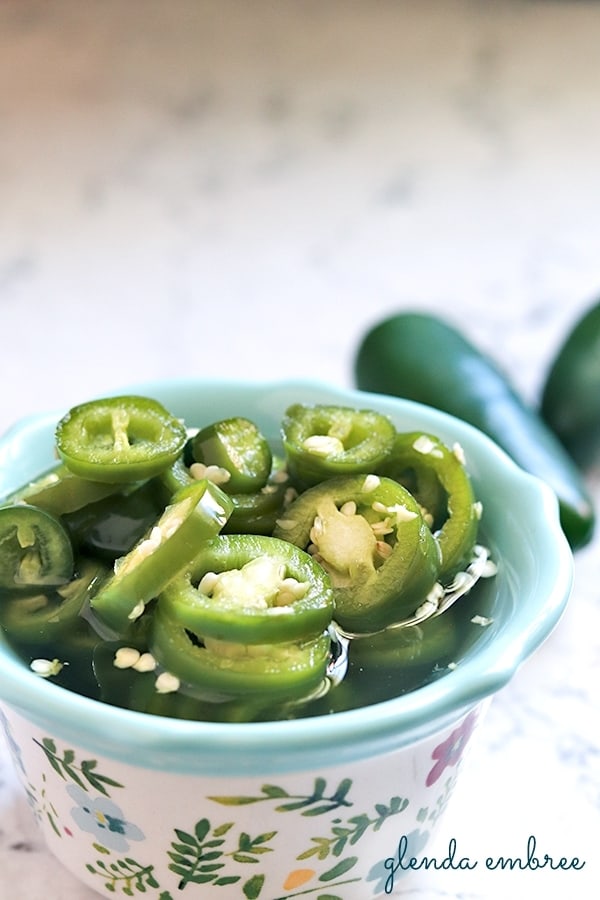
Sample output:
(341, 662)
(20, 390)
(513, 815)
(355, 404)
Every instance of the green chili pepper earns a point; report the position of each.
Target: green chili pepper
(223, 667)
(397, 649)
(455, 520)
(237, 446)
(257, 513)
(37, 618)
(251, 589)
(196, 513)
(324, 441)
(570, 401)
(35, 549)
(421, 358)
(254, 513)
(60, 491)
(109, 528)
(368, 533)
(119, 439)
(172, 479)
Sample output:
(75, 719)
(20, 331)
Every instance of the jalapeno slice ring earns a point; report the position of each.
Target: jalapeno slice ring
(119, 439)
(35, 549)
(454, 511)
(368, 533)
(40, 617)
(60, 491)
(237, 446)
(196, 514)
(251, 589)
(325, 441)
(287, 669)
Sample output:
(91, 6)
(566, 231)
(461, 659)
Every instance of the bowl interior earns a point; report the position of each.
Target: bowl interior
(521, 604)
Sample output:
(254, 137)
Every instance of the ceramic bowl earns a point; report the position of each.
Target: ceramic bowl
(315, 808)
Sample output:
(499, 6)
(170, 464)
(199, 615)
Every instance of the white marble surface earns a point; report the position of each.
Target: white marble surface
(242, 187)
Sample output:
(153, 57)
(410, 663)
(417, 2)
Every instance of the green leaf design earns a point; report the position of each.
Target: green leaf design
(186, 838)
(83, 775)
(340, 869)
(236, 801)
(253, 887)
(126, 874)
(273, 790)
(201, 829)
(296, 802)
(350, 832)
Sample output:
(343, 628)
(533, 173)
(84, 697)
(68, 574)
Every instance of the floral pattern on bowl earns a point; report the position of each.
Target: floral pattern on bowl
(324, 835)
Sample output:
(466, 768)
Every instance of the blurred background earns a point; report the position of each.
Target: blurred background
(243, 187)
(205, 188)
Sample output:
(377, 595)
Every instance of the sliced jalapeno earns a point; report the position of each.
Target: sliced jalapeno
(60, 491)
(369, 534)
(237, 446)
(254, 513)
(453, 509)
(119, 439)
(257, 513)
(196, 514)
(324, 441)
(251, 589)
(40, 617)
(109, 528)
(285, 669)
(35, 548)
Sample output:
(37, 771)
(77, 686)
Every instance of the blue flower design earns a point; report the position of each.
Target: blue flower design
(104, 819)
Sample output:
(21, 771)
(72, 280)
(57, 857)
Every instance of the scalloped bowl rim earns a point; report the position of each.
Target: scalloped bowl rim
(384, 726)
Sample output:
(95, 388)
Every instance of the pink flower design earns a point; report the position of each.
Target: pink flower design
(449, 752)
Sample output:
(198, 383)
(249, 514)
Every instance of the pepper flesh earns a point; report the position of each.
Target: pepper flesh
(324, 441)
(369, 534)
(455, 515)
(197, 513)
(237, 446)
(119, 439)
(40, 617)
(252, 589)
(281, 670)
(59, 491)
(35, 548)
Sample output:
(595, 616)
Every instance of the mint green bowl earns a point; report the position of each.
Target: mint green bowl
(164, 775)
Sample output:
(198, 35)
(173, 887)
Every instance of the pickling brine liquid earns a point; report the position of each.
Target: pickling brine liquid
(368, 669)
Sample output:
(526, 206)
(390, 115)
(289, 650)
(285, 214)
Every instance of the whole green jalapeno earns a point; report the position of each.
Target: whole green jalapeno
(570, 399)
(421, 357)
